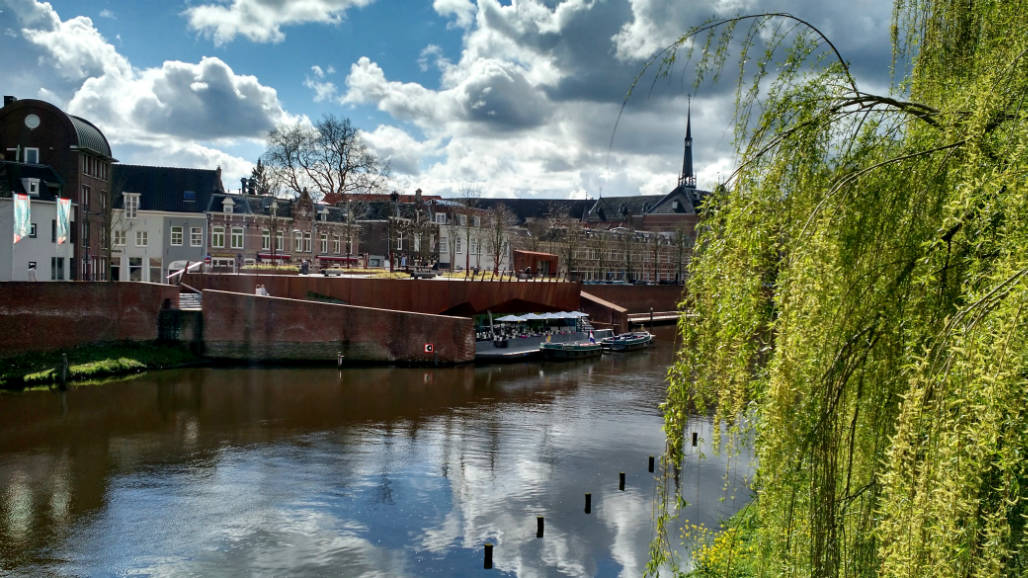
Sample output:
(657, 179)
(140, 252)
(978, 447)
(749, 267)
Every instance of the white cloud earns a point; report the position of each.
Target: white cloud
(262, 20)
(462, 11)
(105, 13)
(323, 89)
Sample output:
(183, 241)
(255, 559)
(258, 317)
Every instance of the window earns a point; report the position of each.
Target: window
(440, 218)
(103, 238)
(57, 268)
(297, 241)
(85, 238)
(32, 231)
(189, 196)
(265, 240)
(177, 235)
(135, 268)
(31, 186)
(476, 221)
(237, 237)
(307, 242)
(218, 237)
(399, 241)
(324, 243)
(228, 205)
(142, 239)
(473, 246)
(155, 270)
(86, 193)
(131, 205)
(53, 230)
(32, 155)
(417, 242)
(195, 237)
(444, 244)
(280, 240)
(459, 248)
(119, 238)
(335, 245)
(462, 219)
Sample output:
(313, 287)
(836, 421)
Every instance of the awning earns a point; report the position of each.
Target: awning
(509, 318)
(270, 256)
(334, 258)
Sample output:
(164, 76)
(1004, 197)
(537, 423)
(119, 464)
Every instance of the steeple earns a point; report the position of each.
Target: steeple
(687, 177)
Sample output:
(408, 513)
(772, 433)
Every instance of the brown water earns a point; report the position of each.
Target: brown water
(364, 472)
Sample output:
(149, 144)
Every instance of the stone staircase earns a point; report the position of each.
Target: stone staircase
(190, 301)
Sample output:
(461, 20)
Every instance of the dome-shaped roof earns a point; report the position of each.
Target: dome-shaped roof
(90, 137)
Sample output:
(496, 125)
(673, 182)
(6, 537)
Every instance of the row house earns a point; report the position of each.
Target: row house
(42, 254)
(35, 132)
(469, 238)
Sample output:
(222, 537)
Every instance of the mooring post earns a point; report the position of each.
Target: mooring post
(694, 436)
(538, 526)
(588, 502)
(488, 556)
(621, 481)
(651, 464)
(339, 359)
(62, 372)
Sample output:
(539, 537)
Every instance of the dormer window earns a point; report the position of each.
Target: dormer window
(674, 205)
(440, 218)
(189, 196)
(131, 205)
(227, 206)
(31, 186)
(324, 214)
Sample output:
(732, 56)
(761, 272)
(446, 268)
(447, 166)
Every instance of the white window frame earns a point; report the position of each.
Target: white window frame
(218, 236)
(177, 235)
(33, 152)
(444, 245)
(462, 220)
(324, 243)
(399, 241)
(476, 221)
(265, 239)
(417, 242)
(195, 237)
(142, 238)
(131, 204)
(236, 238)
(440, 218)
(336, 244)
(297, 241)
(306, 241)
(458, 247)
(119, 238)
(280, 240)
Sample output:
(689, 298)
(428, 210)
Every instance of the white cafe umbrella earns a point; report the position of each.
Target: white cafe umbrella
(510, 318)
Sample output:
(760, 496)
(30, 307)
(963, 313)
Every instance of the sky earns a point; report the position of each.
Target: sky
(503, 98)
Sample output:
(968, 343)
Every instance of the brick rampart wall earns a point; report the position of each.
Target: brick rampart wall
(246, 326)
(423, 296)
(54, 315)
(639, 298)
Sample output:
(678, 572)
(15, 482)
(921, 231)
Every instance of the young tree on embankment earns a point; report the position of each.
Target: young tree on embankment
(858, 294)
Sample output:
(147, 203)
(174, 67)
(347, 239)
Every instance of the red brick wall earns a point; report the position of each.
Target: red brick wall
(244, 326)
(423, 296)
(639, 298)
(47, 316)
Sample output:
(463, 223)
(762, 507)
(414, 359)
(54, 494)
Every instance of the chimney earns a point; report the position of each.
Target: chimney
(9, 99)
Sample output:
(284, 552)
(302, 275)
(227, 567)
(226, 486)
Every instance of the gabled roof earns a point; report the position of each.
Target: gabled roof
(614, 209)
(12, 173)
(688, 200)
(525, 209)
(166, 188)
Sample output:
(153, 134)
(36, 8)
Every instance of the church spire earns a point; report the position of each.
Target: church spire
(687, 177)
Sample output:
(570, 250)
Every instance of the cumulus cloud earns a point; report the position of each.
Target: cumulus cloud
(262, 20)
(323, 89)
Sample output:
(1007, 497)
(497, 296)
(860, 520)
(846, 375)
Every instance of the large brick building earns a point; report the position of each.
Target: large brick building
(38, 133)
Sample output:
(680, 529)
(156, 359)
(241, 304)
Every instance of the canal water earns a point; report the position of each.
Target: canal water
(363, 472)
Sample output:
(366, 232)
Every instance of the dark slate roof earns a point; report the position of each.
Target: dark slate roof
(688, 201)
(12, 173)
(90, 137)
(613, 209)
(166, 188)
(526, 209)
(241, 204)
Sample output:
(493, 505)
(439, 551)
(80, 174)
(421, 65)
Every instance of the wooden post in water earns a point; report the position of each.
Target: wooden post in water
(621, 481)
(588, 502)
(488, 556)
(62, 372)
(694, 436)
(651, 464)
(538, 526)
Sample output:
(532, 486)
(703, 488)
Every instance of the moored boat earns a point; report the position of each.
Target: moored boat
(628, 341)
(576, 350)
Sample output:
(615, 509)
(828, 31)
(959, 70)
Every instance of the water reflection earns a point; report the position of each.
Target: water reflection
(364, 472)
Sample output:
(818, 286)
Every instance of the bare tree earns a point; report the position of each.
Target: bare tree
(569, 229)
(329, 159)
(501, 219)
(469, 198)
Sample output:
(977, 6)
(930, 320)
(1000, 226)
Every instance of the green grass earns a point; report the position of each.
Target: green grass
(90, 363)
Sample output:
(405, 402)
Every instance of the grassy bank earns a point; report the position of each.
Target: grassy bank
(91, 362)
(731, 551)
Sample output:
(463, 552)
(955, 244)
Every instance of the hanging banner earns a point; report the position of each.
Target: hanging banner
(63, 220)
(22, 217)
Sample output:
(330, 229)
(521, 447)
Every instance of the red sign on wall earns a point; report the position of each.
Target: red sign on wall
(429, 348)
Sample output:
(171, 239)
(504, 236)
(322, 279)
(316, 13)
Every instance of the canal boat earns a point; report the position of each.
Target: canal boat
(577, 350)
(627, 341)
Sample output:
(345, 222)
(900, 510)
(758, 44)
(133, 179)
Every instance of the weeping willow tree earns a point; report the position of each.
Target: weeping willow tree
(857, 300)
